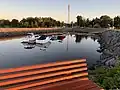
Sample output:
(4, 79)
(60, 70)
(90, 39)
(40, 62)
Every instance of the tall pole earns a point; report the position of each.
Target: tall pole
(69, 14)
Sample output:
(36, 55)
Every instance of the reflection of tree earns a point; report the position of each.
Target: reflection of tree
(80, 37)
(86, 36)
(93, 39)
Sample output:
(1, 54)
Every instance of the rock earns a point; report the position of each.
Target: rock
(109, 47)
(111, 62)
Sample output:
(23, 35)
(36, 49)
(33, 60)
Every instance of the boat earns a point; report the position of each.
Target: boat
(53, 37)
(43, 46)
(37, 36)
(61, 37)
(30, 38)
(58, 38)
(28, 46)
(43, 39)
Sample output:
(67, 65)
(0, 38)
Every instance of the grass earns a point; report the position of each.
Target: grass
(108, 78)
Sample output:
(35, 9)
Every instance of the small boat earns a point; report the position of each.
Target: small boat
(28, 46)
(43, 39)
(61, 37)
(30, 38)
(58, 38)
(53, 38)
(43, 46)
(37, 36)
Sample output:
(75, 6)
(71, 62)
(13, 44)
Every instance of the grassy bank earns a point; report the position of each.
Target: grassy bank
(8, 32)
(25, 29)
(108, 78)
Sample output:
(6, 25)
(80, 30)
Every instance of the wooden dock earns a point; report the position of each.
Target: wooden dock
(65, 75)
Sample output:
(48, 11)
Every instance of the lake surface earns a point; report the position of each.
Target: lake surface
(13, 52)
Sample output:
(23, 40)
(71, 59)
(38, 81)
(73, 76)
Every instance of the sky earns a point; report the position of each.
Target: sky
(57, 9)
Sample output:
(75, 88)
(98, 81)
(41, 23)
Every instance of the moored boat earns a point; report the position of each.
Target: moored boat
(43, 39)
(58, 38)
(30, 38)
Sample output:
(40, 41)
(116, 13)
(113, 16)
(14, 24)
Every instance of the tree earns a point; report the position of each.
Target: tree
(91, 23)
(62, 24)
(58, 23)
(36, 24)
(7, 23)
(97, 22)
(26, 24)
(117, 22)
(106, 21)
(80, 21)
(31, 25)
(87, 23)
(4, 23)
(31, 22)
(15, 23)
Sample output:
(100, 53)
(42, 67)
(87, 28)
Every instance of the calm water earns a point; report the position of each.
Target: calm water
(13, 53)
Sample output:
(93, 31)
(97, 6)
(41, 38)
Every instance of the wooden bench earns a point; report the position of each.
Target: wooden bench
(65, 75)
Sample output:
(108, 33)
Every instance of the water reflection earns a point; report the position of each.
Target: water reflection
(44, 41)
(43, 46)
(28, 46)
(59, 48)
(80, 37)
(55, 38)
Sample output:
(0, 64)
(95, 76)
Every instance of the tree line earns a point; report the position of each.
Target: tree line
(104, 21)
(31, 22)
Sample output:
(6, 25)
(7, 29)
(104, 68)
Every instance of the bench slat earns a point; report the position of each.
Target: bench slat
(8, 76)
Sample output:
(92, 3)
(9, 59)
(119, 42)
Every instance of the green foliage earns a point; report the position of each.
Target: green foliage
(104, 22)
(14, 23)
(87, 23)
(80, 21)
(108, 78)
(31, 22)
(4, 23)
(117, 22)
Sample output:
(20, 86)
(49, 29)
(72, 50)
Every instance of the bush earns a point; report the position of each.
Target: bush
(108, 78)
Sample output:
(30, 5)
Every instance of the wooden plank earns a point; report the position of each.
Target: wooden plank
(8, 76)
(46, 79)
(50, 81)
(41, 76)
(72, 86)
(60, 85)
(40, 66)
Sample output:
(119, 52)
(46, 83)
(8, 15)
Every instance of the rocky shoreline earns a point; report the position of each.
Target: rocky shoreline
(109, 47)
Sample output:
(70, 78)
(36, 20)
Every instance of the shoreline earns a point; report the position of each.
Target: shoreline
(9, 32)
(24, 29)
